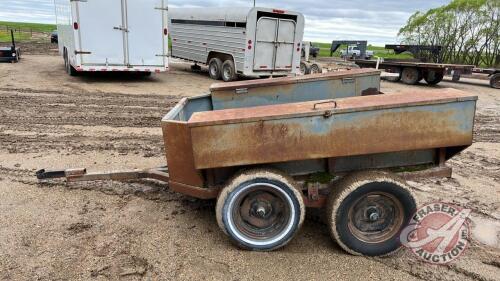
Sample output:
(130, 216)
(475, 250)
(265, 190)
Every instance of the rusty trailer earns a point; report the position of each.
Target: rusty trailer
(266, 150)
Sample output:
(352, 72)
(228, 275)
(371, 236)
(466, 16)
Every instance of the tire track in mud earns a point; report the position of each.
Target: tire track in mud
(37, 121)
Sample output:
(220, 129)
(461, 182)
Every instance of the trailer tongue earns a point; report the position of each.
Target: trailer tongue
(259, 160)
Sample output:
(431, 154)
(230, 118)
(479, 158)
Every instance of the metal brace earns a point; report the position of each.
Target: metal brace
(313, 191)
(160, 8)
(121, 28)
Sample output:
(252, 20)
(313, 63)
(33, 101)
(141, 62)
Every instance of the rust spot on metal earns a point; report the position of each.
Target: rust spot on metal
(359, 126)
(179, 152)
(194, 191)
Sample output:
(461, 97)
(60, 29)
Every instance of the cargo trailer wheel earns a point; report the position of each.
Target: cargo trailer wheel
(495, 81)
(432, 77)
(69, 68)
(410, 75)
(215, 68)
(228, 71)
(366, 212)
(305, 69)
(316, 68)
(260, 210)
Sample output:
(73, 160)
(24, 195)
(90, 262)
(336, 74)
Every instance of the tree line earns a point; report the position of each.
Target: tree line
(468, 31)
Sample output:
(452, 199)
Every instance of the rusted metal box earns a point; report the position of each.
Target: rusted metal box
(359, 82)
(355, 131)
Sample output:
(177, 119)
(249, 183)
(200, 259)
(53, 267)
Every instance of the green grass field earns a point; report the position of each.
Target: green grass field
(5, 36)
(22, 30)
(378, 51)
(36, 27)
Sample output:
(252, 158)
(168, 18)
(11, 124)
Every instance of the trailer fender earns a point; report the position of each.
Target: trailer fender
(222, 56)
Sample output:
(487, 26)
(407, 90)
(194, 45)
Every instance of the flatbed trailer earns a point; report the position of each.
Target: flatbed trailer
(266, 150)
(413, 72)
(493, 74)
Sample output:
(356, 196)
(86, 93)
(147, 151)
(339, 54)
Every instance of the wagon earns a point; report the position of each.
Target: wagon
(266, 150)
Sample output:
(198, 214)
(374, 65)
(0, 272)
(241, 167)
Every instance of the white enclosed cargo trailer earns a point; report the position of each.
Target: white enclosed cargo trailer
(113, 35)
(231, 41)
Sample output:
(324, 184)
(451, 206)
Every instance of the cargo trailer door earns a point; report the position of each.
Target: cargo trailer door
(101, 32)
(285, 45)
(265, 43)
(147, 42)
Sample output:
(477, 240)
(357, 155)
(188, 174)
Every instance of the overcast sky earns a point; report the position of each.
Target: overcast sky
(377, 21)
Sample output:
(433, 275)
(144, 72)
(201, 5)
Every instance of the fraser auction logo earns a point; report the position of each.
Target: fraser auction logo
(438, 233)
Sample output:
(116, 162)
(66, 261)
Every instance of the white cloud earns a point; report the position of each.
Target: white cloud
(375, 21)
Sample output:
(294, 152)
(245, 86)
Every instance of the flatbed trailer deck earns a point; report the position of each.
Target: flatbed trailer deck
(256, 152)
(493, 74)
(413, 72)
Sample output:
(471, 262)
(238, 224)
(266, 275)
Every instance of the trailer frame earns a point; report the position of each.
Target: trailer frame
(411, 72)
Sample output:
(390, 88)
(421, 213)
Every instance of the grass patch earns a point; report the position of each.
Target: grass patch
(24, 31)
(36, 27)
(5, 36)
(378, 51)
(320, 177)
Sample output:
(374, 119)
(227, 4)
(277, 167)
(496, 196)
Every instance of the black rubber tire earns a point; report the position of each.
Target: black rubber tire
(69, 68)
(305, 68)
(243, 182)
(215, 68)
(410, 75)
(72, 71)
(228, 71)
(316, 68)
(495, 81)
(433, 77)
(348, 191)
(65, 57)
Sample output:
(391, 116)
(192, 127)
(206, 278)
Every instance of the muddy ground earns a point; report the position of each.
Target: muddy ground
(141, 230)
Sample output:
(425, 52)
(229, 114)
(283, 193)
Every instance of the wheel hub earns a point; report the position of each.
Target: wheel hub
(373, 214)
(375, 217)
(262, 214)
(261, 209)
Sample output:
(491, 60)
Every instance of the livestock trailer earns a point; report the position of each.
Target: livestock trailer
(256, 42)
(267, 153)
(113, 35)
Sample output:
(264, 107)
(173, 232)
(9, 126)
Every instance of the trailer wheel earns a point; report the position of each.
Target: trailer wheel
(260, 210)
(495, 81)
(410, 75)
(316, 68)
(367, 211)
(65, 56)
(228, 71)
(304, 68)
(215, 68)
(432, 77)
(69, 68)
